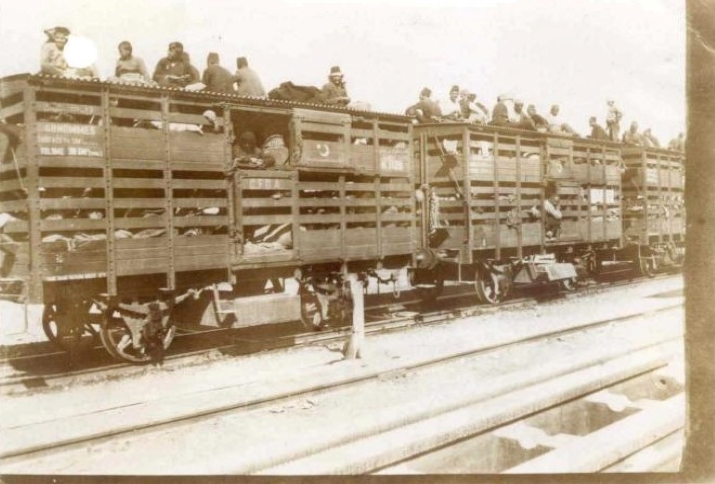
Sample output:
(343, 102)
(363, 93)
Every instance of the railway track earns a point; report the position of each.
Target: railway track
(57, 369)
(516, 393)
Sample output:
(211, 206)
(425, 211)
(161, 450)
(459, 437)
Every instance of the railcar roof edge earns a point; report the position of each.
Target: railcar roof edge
(206, 95)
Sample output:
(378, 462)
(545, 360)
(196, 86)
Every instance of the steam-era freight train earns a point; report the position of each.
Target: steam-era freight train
(124, 214)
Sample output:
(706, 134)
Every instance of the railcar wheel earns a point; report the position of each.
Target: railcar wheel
(491, 288)
(569, 284)
(64, 333)
(134, 346)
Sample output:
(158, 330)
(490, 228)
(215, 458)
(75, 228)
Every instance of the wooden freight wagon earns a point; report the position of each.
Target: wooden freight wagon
(483, 216)
(120, 201)
(654, 208)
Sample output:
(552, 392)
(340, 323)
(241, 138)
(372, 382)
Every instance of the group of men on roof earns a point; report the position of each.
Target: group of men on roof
(176, 70)
(462, 106)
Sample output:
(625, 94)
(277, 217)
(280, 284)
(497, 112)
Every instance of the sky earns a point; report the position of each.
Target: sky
(576, 53)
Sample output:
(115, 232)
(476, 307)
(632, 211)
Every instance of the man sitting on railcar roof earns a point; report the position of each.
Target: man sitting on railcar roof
(649, 139)
(677, 144)
(426, 110)
(175, 70)
(540, 123)
(217, 78)
(247, 81)
(52, 57)
(334, 91)
(473, 111)
(450, 107)
(500, 113)
(632, 137)
(555, 124)
(523, 121)
(597, 131)
(130, 67)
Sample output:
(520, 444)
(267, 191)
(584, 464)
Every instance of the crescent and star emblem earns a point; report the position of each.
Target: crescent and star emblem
(323, 150)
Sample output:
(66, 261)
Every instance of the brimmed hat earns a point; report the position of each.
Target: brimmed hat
(56, 30)
(518, 101)
(454, 88)
(335, 72)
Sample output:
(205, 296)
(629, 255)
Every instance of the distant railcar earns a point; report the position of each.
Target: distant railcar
(483, 216)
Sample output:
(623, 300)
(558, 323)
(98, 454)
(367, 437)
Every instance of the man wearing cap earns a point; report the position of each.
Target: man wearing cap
(175, 70)
(334, 91)
(597, 132)
(52, 58)
(426, 110)
(450, 107)
(215, 77)
(247, 81)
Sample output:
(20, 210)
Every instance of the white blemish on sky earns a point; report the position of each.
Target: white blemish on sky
(574, 52)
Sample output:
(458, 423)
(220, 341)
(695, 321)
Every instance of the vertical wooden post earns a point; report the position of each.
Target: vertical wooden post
(353, 347)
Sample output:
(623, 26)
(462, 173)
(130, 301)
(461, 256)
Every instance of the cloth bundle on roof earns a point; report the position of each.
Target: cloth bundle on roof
(288, 91)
